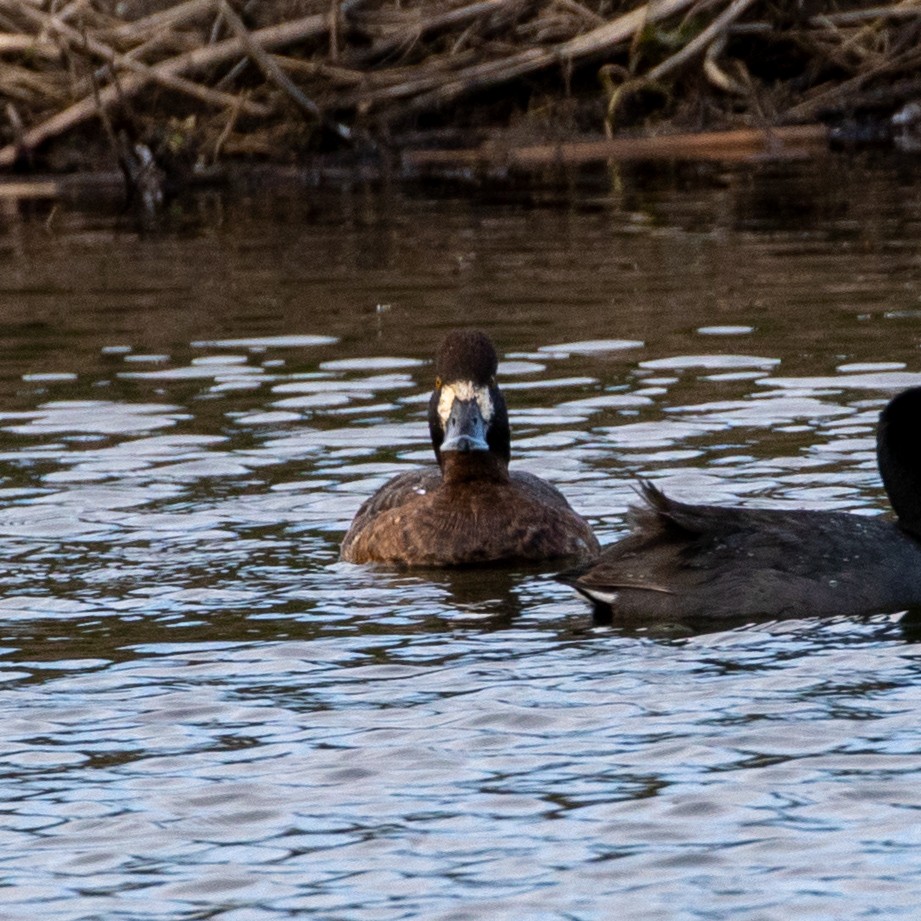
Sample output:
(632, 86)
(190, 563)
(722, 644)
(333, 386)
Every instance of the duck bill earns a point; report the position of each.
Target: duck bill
(465, 429)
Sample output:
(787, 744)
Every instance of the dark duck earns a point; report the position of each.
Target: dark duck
(704, 565)
(470, 508)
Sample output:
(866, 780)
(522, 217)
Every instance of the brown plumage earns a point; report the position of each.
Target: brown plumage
(469, 509)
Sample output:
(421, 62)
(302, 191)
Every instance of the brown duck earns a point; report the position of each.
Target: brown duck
(469, 509)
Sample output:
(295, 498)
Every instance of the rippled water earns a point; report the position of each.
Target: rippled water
(207, 716)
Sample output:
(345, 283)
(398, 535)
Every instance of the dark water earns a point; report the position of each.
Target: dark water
(205, 715)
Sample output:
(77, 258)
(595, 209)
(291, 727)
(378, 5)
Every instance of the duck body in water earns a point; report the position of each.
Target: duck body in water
(469, 508)
(704, 565)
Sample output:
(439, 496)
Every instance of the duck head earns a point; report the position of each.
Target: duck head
(898, 450)
(468, 419)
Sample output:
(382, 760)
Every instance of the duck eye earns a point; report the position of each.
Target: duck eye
(438, 383)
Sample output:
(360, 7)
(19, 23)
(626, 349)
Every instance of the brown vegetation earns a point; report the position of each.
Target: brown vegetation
(201, 81)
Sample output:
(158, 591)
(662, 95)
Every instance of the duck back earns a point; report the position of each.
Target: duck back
(701, 565)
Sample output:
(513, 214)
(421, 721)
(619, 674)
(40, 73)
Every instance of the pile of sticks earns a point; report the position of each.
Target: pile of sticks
(238, 75)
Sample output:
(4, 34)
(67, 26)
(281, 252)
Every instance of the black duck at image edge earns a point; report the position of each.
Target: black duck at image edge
(469, 508)
(706, 565)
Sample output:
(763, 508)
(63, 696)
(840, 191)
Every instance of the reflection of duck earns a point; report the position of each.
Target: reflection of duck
(469, 508)
(702, 565)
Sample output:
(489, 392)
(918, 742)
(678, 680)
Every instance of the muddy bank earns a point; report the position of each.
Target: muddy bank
(176, 92)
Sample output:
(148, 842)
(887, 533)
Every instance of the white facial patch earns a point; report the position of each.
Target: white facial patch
(464, 390)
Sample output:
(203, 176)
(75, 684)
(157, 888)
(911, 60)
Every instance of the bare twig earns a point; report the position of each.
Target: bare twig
(910, 10)
(582, 11)
(406, 34)
(13, 43)
(824, 98)
(334, 17)
(700, 42)
(843, 19)
(225, 134)
(277, 76)
(715, 74)
(167, 19)
(30, 86)
(320, 69)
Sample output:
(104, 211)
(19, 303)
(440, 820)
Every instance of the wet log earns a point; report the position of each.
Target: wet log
(712, 145)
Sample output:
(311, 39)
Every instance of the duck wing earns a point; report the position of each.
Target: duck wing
(394, 493)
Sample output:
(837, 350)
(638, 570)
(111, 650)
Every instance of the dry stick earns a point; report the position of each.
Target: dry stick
(271, 37)
(81, 42)
(275, 74)
(481, 76)
(900, 11)
(409, 33)
(716, 75)
(824, 20)
(699, 43)
(445, 64)
(14, 42)
(896, 93)
(327, 72)
(334, 31)
(12, 114)
(119, 149)
(147, 46)
(824, 98)
(574, 7)
(225, 133)
(158, 22)
(76, 6)
(30, 86)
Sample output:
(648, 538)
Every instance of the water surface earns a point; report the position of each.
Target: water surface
(206, 715)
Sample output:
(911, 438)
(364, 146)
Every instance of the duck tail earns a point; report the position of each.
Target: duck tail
(653, 496)
(667, 512)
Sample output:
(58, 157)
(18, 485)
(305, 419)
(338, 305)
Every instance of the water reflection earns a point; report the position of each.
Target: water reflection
(207, 713)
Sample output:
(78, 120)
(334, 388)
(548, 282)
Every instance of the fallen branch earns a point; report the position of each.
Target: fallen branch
(162, 21)
(277, 76)
(573, 6)
(14, 43)
(908, 10)
(406, 34)
(698, 45)
(720, 145)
